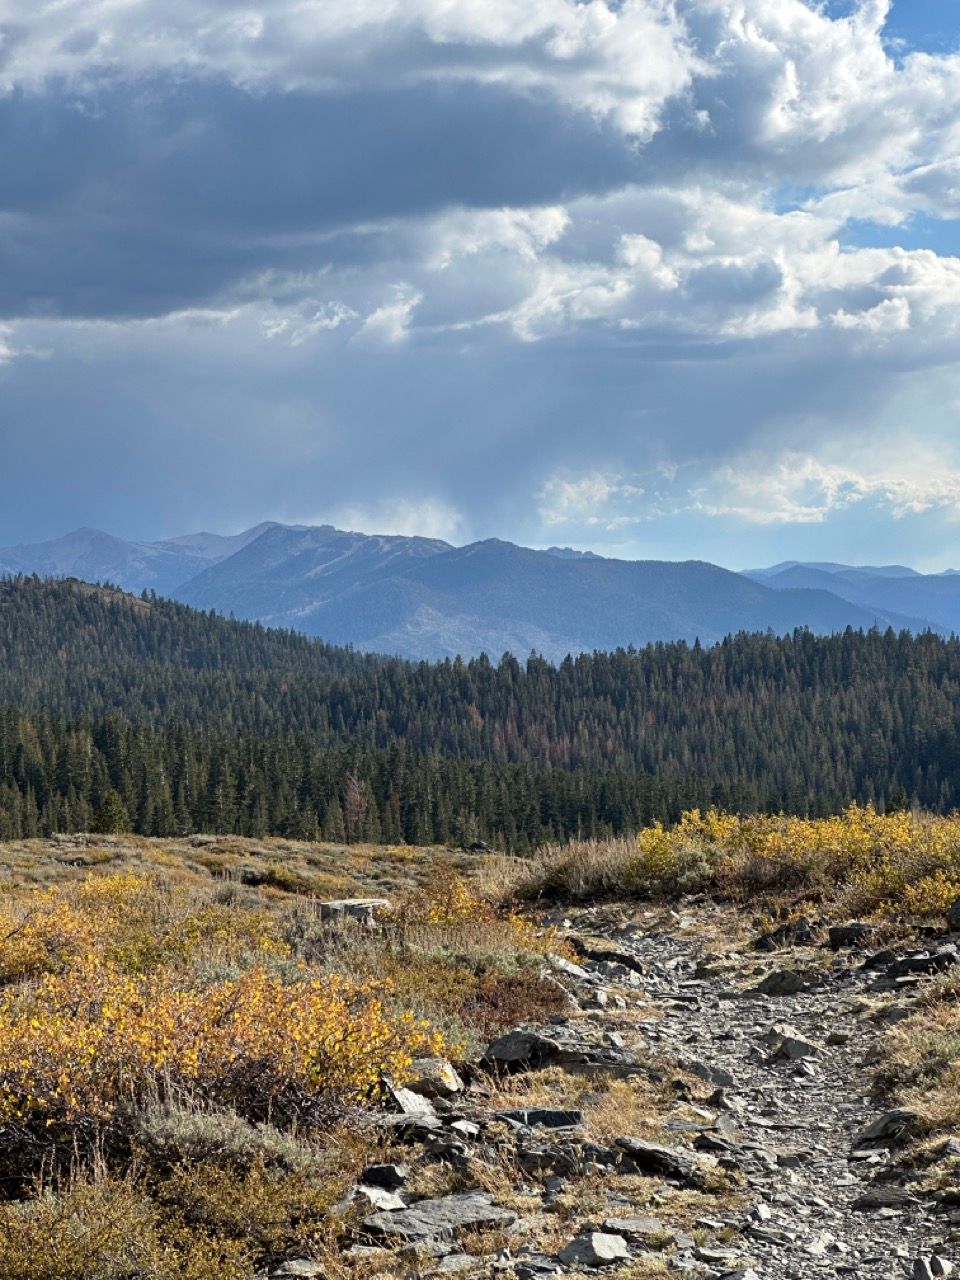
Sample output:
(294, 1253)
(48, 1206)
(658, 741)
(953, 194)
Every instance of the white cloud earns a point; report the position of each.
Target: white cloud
(424, 518)
(390, 322)
(799, 488)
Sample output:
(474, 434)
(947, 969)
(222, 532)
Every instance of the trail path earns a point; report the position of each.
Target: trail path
(822, 1204)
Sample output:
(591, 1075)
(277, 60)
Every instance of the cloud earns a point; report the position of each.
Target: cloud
(563, 264)
(421, 518)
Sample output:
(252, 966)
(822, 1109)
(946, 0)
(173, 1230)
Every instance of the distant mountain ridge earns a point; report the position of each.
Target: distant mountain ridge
(423, 598)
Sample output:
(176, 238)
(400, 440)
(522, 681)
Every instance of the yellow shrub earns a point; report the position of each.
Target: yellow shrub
(78, 1044)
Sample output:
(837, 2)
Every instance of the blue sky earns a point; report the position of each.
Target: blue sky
(673, 278)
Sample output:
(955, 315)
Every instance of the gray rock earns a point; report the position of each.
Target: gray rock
(361, 910)
(783, 982)
(636, 1227)
(523, 1048)
(929, 1268)
(379, 1198)
(670, 1162)
(899, 1123)
(595, 1249)
(435, 1078)
(542, 1117)
(849, 935)
(439, 1219)
(298, 1269)
(388, 1176)
(409, 1103)
(788, 1045)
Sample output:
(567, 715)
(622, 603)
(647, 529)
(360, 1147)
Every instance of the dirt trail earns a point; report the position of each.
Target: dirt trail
(822, 1203)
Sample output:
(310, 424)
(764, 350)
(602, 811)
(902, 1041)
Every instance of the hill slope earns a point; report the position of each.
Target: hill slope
(422, 598)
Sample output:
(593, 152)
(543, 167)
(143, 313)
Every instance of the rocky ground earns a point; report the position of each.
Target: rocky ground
(703, 1108)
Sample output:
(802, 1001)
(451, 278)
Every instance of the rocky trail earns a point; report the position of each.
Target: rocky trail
(771, 1159)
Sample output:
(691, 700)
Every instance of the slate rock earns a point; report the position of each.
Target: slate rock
(523, 1048)
(897, 1124)
(595, 1249)
(636, 1227)
(783, 982)
(361, 910)
(440, 1219)
(669, 1162)
(388, 1176)
(542, 1117)
(435, 1078)
(849, 935)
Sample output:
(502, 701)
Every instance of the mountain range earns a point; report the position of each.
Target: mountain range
(423, 598)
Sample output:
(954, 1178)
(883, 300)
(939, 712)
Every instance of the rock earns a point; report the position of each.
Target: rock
(636, 1227)
(536, 1265)
(953, 915)
(522, 1049)
(670, 1162)
(788, 1045)
(849, 935)
(378, 1198)
(742, 1273)
(388, 1176)
(783, 982)
(454, 1264)
(919, 963)
(362, 910)
(435, 1078)
(542, 1117)
(897, 1124)
(440, 1218)
(298, 1269)
(595, 1249)
(409, 1103)
(931, 1267)
(884, 1198)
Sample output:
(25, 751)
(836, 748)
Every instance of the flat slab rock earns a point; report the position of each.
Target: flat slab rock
(669, 1162)
(439, 1219)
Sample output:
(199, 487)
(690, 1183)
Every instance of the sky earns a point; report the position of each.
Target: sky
(658, 278)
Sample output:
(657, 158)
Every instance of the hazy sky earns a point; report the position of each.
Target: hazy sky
(672, 278)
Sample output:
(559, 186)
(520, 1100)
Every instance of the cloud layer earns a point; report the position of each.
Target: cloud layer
(646, 274)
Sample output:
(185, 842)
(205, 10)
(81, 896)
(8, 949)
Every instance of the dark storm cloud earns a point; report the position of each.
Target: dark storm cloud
(144, 201)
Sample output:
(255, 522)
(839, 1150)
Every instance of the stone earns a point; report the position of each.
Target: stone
(636, 1227)
(388, 1176)
(595, 1249)
(884, 1198)
(929, 1268)
(953, 915)
(361, 910)
(542, 1117)
(923, 962)
(670, 1162)
(298, 1269)
(849, 935)
(783, 982)
(379, 1198)
(439, 1219)
(435, 1078)
(788, 1045)
(522, 1048)
(409, 1103)
(897, 1124)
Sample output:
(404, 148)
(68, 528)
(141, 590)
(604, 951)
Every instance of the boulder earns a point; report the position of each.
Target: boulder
(898, 1124)
(855, 934)
(439, 1219)
(361, 910)
(783, 982)
(636, 1227)
(787, 1045)
(669, 1162)
(523, 1049)
(388, 1176)
(542, 1117)
(595, 1249)
(435, 1078)
(409, 1103)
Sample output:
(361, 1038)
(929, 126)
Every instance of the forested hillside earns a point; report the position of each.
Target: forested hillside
(143, 712)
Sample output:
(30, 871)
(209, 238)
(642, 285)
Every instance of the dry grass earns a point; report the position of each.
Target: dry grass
(901, 865)
(921, 1062)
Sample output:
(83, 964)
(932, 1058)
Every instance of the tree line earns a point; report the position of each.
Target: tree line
(141, 713)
